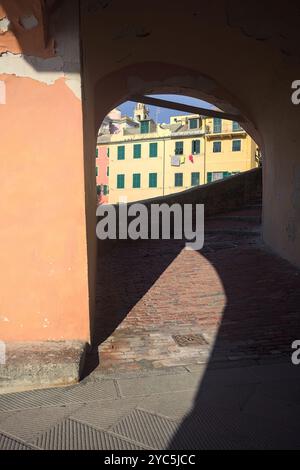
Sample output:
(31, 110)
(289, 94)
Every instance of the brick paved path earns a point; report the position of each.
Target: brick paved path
(243, 300)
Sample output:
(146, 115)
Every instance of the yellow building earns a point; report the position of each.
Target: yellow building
(157, 159)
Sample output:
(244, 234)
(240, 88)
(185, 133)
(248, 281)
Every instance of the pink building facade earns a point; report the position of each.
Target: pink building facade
(110, 125)
(102, 174)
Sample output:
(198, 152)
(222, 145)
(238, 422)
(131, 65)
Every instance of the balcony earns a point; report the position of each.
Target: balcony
(229, 130)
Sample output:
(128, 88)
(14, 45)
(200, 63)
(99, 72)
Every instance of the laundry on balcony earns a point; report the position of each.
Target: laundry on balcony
(175, 160)
(191, 158)
(182, 159)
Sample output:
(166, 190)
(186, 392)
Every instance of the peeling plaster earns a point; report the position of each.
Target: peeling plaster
(66, 62)
(24, 32)
(4, 25)
(42, 70)
(29, 22)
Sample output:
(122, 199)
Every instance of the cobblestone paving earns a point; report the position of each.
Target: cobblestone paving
(240, 297)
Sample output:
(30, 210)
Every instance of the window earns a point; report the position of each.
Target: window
(98, 189)
(137, 151)
(97, 153)
(107, 153)
(152, 180)
(153, 149)
(195, 179)
(193, 123)
(217, 125)
(144, 127)
(217, 147)
(97, 171)
(136, 180)
(217, 175)
(236, 145)
(178, 179)
(195, 147)
(121, 152)
(179, 148)
(236, 126)
(120, 181)
(107, 171)
(105, 190)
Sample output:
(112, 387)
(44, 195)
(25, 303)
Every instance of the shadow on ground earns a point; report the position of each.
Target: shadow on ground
(234, 407)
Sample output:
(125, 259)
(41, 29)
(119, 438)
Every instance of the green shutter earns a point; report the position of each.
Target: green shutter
(107, 153)
(144, 127)
(195, 147)
(193, 123)
(137, 151)
(107, 171)
(179, 148)
(96, 171)
(136, 180)
(236, 126)
(217, 147)
(98, 189)
(120, 181)
(217, 125)
(153, 149)
(121, 152)
(152, 180)
(195, 179)
(105, 190)
(236, 145)
(209, 177)
(97, 153)
(178, 179)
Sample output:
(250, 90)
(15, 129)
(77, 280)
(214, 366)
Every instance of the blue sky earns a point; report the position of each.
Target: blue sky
(163, 113)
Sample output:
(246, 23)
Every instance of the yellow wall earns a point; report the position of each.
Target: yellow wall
(205, 162)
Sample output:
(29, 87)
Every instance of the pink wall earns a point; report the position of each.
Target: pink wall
(102, 162)
(43, 262)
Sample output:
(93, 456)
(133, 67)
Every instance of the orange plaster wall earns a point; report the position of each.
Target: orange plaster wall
(19, 40)
(43, 259)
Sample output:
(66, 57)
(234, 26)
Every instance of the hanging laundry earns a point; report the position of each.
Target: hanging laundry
(191, 158)
(182, 159)
(175, 160)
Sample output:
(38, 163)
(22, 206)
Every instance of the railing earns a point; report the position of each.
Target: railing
(225, 129)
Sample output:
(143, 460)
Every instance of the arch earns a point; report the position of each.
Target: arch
(159, 78)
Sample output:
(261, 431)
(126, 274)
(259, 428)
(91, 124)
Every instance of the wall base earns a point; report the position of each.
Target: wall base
(41, 364)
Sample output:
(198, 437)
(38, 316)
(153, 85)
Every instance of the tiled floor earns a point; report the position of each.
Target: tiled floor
(241, 407)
